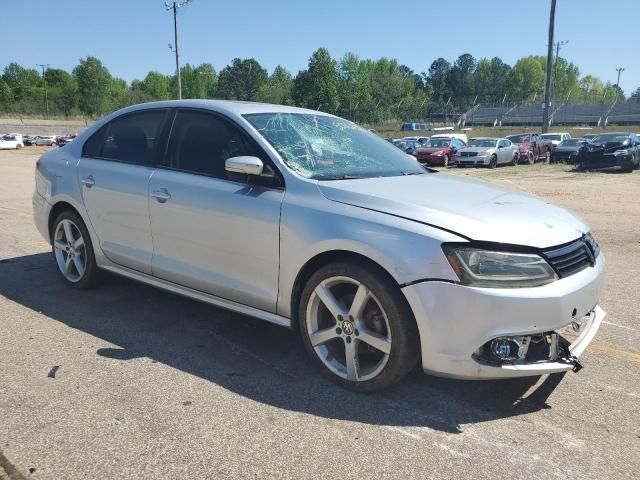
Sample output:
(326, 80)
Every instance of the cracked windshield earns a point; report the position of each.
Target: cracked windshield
(328, 148)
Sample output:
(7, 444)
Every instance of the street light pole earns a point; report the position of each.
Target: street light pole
(619, 70)
(175, 6)
(44, 83)
(555, 65)
(547, 85)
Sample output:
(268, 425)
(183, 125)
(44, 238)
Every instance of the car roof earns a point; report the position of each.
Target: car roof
(235, 107)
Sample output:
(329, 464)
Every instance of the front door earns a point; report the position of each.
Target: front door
(210, 233)
(114, 177)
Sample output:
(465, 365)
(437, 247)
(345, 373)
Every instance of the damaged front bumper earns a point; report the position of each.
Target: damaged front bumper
(457, 324)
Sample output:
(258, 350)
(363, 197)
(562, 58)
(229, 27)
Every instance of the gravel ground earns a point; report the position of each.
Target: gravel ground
(127, 381)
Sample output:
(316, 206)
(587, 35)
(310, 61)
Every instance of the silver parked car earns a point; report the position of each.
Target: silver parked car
(306, 220)
(488, 152)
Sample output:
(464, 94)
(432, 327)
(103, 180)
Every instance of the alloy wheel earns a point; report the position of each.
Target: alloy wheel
(348, 329)
(70, 250)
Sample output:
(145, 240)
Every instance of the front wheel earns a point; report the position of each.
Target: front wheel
(357, 327)
(515, 159)
(547, 157)
(493, 163)
(446, 160)
(532, 158)
(73, 251)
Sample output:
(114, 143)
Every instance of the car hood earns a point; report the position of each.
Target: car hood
(566, 149)
(477, 149)
(474, 209)
(431, 149)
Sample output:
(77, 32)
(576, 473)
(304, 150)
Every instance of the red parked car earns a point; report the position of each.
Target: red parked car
(532, 147)
(440, 151)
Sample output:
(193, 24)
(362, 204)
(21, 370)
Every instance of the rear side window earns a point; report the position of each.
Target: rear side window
(201, 143)
(130, 138)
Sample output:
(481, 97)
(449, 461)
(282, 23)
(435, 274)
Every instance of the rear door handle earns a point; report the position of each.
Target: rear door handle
(161, 195)
(88, 181)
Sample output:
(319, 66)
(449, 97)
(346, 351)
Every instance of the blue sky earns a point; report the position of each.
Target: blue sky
(131, 36)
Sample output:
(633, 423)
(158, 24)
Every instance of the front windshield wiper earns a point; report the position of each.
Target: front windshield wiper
(406, 174)
(340, 177)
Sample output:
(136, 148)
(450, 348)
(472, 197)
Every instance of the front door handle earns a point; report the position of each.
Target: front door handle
(161, 195)
(88, 181)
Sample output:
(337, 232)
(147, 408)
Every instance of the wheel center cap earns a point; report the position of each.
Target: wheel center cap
(348, 328)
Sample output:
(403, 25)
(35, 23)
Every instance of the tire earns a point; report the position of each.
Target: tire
(493, 163)
(532, 158)
(383, 318)
(547, 157)
(446, 160)
(74, 258)
(18, 147)
(515, 160)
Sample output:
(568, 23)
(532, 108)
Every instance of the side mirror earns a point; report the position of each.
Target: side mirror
(244, 165)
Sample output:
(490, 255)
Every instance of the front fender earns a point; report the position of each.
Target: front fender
(409, 251)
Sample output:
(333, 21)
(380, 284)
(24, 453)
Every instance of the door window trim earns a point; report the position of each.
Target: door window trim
(166, 163)
(104, 129)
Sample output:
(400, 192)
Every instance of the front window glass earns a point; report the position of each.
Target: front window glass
(482, 142)
(329, 148)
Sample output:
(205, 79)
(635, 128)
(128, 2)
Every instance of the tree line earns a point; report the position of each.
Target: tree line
(364, 90)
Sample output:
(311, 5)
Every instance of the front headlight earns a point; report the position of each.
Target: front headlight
(438, 153)
(493, 269)
(622, 152)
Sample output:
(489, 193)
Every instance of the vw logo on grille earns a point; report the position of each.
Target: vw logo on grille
(348, 328)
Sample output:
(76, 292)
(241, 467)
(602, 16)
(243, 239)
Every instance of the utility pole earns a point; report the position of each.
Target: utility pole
(547, 84)
(44, 83)
(555, 64)
(175, 6)
(619, 70)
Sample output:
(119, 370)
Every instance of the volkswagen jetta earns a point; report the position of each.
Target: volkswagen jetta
(306, 220)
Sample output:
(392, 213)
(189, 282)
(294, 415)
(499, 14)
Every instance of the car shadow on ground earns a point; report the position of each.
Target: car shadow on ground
(255, 359)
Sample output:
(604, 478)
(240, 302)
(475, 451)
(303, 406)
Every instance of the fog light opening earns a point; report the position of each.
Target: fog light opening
(505, 349)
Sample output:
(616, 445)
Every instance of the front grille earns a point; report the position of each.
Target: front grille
(468, 154)
(572, 258)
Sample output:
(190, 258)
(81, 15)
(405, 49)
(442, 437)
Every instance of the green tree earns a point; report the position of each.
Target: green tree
(241, 80)
(22, 81)
(278, 88)
(635, 96)
(316, 87)
(526, 79)
(354, 87)
(156, 85)
(6, 96)
(62, 90)
(460, 80)
(94, 86)
(437, 80)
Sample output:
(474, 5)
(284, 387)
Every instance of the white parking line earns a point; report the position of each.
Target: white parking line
(620, 326)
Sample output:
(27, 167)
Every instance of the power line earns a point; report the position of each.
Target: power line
(44, 82)
(175, 6)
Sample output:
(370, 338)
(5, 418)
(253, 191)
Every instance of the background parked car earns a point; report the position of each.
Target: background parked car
(413, 127)
(29, 140)
(567, 150)
(62, 141)
(619, 150)
(12, 141)
(532, 147)
(439, 151)
(459, 136)
(488, 152)
(556, 138)
(420, 140)
(48, 140)
(407, 146)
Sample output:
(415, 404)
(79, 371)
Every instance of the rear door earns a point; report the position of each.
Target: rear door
(114, 174)
(211, 233)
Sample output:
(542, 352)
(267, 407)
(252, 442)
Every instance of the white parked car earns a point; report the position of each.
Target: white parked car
(48, 140)
(308, 221)
(459, 136)
(488, 152)
(556, 138)
(12, 141)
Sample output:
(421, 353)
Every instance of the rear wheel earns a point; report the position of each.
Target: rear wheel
(357, 327)
(73, 251)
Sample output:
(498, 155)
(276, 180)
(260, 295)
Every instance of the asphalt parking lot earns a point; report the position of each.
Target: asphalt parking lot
(127, 381)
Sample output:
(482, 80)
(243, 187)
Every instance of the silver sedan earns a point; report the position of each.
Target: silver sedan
(308, 221)
(489, 152)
